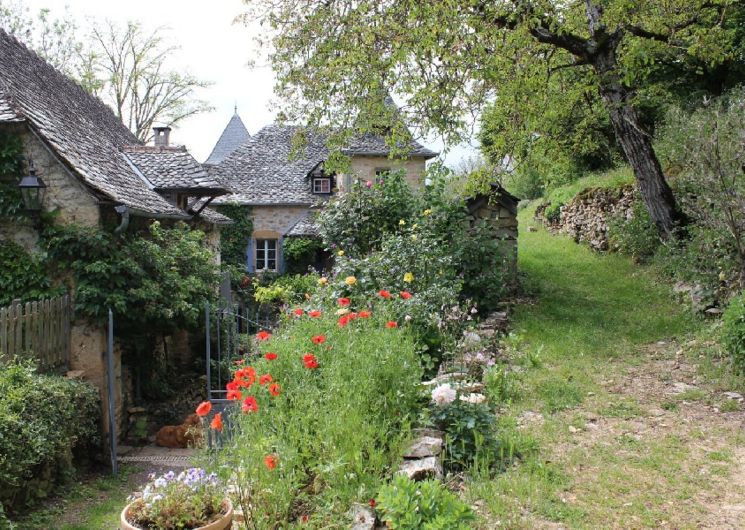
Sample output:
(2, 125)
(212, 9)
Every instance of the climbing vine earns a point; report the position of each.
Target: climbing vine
(234, 238)
(11, 168)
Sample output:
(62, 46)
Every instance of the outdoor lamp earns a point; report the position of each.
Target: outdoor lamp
(32, 189)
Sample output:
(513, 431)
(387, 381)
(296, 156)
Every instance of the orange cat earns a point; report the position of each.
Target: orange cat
(185, 435)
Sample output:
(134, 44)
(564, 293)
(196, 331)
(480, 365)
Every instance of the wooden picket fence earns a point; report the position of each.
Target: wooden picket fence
(38, 330)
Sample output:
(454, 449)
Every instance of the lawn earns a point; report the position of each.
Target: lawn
(606, 438)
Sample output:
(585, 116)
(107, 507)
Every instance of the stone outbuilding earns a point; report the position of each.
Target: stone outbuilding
(498, 208)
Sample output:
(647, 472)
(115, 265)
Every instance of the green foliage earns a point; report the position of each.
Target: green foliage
(427, 505)
(234, 238)
(11, 169)
(470, 434)
(335, 430)
(357, 221)
(636, 236)
(43, 421)
(300, 252)
(23, 275)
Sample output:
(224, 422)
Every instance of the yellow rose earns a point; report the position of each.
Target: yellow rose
(323, 281)
(408, 277)
(340, 253)
(413, 237)
(402, 222)
(427, 212)
(350, 280)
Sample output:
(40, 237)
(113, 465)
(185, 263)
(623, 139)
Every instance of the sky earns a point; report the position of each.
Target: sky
(213, 49)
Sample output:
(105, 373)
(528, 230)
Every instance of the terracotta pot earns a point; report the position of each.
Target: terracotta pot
(223, 523)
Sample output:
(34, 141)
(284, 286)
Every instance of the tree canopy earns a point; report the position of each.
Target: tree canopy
(336, 60)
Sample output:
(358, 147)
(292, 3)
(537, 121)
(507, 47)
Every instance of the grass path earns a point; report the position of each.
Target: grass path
(617, 422)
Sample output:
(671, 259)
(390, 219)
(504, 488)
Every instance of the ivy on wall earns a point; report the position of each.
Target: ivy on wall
(11, 168)
(234, 238)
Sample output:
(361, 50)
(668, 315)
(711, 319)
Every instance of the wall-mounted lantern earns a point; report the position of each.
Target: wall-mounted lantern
(32, 189)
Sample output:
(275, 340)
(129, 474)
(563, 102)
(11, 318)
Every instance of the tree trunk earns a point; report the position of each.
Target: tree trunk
(636, 145)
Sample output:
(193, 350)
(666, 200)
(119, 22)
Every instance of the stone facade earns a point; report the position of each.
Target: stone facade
(365, 167)
(65, 193)
(275, 219)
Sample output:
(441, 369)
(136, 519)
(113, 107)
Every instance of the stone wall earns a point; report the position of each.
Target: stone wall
(585, 217)
(364, 168)
(64, 192)
(275, 219)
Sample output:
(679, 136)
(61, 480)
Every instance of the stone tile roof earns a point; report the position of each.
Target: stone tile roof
(212, 216)
(82, 131)
(305, 226)
(7, 112)
(234, 135)
(267, 170)
(374, 145)
(172, 168)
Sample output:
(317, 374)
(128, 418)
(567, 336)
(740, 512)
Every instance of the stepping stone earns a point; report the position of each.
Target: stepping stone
(362, 517)
(424, 447)
(423, 469)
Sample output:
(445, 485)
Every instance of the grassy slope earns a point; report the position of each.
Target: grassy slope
(585, 324)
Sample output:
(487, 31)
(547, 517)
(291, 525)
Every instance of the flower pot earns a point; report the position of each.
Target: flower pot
(223, 523)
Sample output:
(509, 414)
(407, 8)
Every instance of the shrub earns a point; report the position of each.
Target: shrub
(22, 275)
(408, 505)
(44, 421)
(733, 331)
(470, 436)
(636, 236)
(300, 253)
(342, 410)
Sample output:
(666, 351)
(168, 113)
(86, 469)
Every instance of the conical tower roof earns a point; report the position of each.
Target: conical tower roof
(234, 135)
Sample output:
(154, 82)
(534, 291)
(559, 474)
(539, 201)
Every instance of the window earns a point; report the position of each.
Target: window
(380, 173)
(266, 254)
(322, 185)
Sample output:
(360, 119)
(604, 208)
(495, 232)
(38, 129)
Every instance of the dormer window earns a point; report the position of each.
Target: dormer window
(321, 185)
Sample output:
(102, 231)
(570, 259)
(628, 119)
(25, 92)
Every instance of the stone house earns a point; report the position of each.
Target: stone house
(96, 172)
(283, 184)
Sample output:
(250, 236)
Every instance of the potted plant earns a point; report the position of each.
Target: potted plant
(191, 500)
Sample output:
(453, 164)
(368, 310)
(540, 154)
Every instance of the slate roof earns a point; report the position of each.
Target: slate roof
(234, 135)
(81, 129)
(374, 145)
(172, 168)
(266, 170)
(305, 226)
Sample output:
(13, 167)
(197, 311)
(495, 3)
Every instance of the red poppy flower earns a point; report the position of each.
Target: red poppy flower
(310, 361)
(385, 294)
(318, 339)
(373, 503)
(270, 356)
(234, 395)
(305, 518)
(365, 314)
(264, 379)
(344, 302)
(298, 312)
(233, 385)
(263, 335)
(391, 324)
(250, 405)
(270, 461)
(204, 408)
(314, 314)
(351, 316)
(216, 422)
(343, 321)
(275, 389)
(245, 376)
(405, 295)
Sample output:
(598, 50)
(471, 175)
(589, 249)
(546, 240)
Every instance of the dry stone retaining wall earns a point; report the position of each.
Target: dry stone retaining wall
(585, 218)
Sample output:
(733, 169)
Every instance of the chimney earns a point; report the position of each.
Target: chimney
(162, 135)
